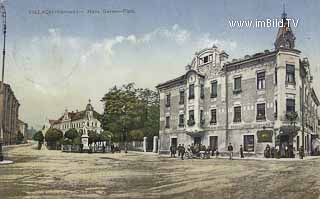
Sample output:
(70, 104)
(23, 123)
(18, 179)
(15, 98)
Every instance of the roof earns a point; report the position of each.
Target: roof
(180, 79)
(170, 82)
(74, 116)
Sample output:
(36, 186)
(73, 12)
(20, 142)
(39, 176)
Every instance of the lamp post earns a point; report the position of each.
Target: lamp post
(125, 133)
(3, 14)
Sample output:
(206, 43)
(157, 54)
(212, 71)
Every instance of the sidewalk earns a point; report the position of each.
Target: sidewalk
(251, 158)
(269, 159)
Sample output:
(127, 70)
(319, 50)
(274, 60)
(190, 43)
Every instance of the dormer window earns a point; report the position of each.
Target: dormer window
(205, 59)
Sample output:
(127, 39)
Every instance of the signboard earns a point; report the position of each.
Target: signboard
(265, 135)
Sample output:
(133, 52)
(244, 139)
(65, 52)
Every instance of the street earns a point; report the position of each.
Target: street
(53, 174)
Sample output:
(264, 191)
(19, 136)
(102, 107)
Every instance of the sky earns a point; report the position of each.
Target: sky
(58, 61)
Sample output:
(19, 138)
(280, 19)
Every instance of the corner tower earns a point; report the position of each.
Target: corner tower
(285, 37)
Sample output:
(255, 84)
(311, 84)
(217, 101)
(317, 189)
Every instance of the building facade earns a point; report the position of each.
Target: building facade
(9, 112)
(258, 100)
(77, 120)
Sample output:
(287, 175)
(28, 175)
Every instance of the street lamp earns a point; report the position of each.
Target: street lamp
(3, 14)
(125, 133)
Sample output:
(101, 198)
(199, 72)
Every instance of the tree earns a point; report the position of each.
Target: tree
(136, 135)
(53, 137)
(93, 137)
(71, 134)
(20, 137)
(127, 109)
(105, 136)
(122, 111)
(38, 136)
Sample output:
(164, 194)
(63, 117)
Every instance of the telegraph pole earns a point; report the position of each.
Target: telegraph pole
(3, 14)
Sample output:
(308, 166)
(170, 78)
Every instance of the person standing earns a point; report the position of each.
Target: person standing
(179, 149)
(301, 152)
(112, 148)
(230, 150)
(241, 151)
(171, 151)
(183, 150)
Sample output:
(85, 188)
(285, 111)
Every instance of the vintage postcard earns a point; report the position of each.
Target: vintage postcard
(153, 99)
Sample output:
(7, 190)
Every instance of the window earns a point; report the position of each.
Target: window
(202, 117)
(237, 114)
(181, 120)
(213, 116)
(237, 85)
(191, 121)
(276, 76)
(201, 91)
(168, 96)
(167, 122)
(191, 91)
(261, 80)
(214, 89)
(205, 59)
(248, 143)
(181, 101)
(290, 74)
(276, 109)
(290, 105)
(261, 111)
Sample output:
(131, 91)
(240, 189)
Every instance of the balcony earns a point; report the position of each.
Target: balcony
(191, 122)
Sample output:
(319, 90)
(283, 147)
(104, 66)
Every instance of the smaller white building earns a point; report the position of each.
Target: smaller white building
(76, 119)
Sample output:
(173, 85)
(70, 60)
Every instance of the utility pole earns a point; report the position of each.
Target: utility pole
(3, 14)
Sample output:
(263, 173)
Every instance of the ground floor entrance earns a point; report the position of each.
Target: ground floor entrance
(197, 140)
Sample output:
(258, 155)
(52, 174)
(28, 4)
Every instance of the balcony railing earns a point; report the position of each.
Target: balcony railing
(237, 91)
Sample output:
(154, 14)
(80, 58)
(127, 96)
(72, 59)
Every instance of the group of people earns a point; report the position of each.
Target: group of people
(285, 152)
(199, 150)
(193, 150)
(181, 151)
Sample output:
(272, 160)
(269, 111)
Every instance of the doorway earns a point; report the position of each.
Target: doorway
(174, 142)
(286, 146)
(197, 140)
(213, 142)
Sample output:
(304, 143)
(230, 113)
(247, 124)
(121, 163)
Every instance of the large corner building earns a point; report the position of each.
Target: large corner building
(9, 112)
(260, 99)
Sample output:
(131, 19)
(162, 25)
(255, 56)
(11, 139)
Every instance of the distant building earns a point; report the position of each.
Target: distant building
(76, 120)
(23, 128)
(9, 112)
(247, 101)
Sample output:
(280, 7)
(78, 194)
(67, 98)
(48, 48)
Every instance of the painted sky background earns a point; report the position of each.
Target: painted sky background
(60, 61)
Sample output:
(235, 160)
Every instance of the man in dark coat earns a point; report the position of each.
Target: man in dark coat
(179, 149)
(230, 150)
(241, 152)
(182, 151)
